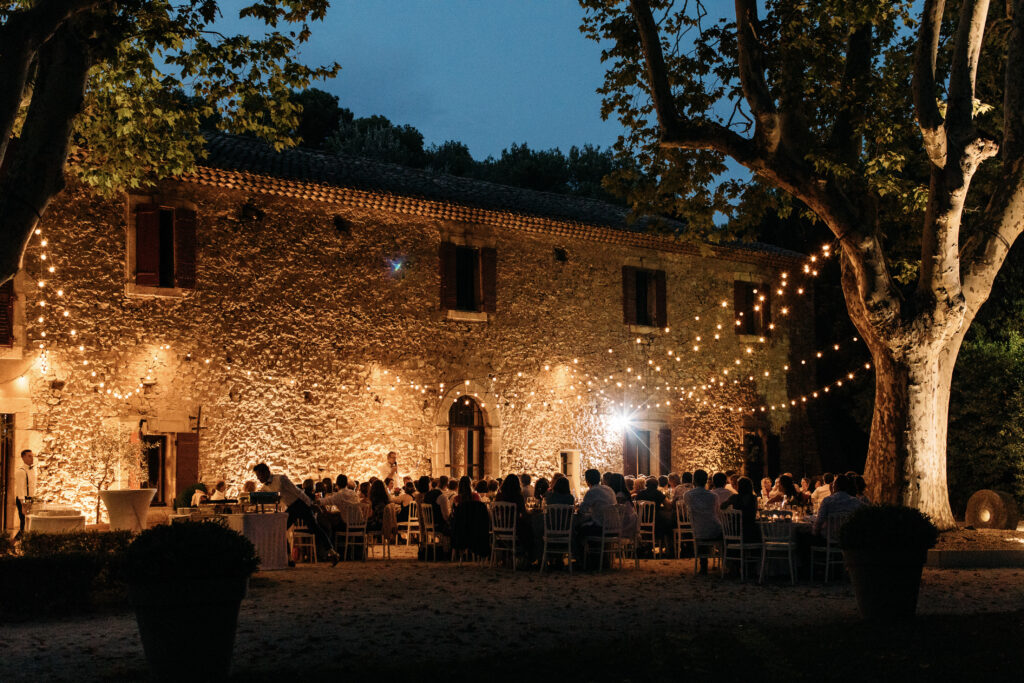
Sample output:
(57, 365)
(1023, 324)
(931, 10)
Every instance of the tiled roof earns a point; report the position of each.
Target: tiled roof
(244, 163)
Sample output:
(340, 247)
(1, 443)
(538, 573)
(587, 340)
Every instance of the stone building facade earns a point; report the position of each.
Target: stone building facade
(317, 312)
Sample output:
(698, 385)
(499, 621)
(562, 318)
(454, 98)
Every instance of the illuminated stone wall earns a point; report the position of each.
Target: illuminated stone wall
(305, 347)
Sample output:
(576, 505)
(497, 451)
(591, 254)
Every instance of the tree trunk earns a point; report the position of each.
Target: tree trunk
(906, 461)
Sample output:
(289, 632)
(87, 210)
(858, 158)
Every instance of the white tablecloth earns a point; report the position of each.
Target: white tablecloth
(267, 532)
(55, 524)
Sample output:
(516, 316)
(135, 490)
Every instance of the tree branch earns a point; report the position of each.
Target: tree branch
(964, 71)
(1013, 98)
(657, 71)
(35, 174)
(929, 119)
(844, 139)
(750, 59)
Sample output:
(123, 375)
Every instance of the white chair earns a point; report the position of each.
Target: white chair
(385, 534)
(428, 536)
(557, 533)
(710, 550)
(829, 554)
(411, 526)
(304, 542)
(777, 544)
(645, 513)
(735, 547)
(610, 519)
(503, 531)
(354, 534)
(683, 533)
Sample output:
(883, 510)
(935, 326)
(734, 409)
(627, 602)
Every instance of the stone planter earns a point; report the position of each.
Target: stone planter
(188, 626)
(127, 508)
(886, 582)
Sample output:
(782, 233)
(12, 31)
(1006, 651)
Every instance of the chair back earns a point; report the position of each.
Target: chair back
(503, 518)
(645, 514)
(777, 531)
(426, 520)
(832, 526)
(610, 517)
(732, 525)
(354, 517)
(414, 512)
(558, 521)
(682, 514)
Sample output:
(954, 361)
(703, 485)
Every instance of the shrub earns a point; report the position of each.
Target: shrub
(52, 585)
(189, 550)
(6, 544)
(888, 527)
(35, 544)
(184, 498)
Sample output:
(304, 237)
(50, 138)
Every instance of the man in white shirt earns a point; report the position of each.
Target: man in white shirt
(718, 487)
(343, 495)
(297, 505)
(24, 486)
(390, 468)
(841, 503)
(524, 480)
(703, 506)
(597, 496)
(822, 491)
(684, 485)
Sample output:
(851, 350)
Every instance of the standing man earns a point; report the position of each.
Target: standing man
(297, 505)
(390, 468)
(24, 486)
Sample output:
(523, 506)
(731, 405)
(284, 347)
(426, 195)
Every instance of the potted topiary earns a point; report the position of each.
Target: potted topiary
(885, 547)
(118, 456)
(186, 582)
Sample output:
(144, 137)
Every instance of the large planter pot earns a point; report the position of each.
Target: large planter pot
(188, 626)
(886, 582)
(127, 508)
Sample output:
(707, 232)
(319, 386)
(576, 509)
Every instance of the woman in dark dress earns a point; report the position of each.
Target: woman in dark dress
(379, 500)
(745, 501)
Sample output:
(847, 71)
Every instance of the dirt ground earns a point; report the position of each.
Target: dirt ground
(392, 612)
(981, 539)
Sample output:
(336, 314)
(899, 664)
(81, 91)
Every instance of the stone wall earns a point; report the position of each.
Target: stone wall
(305, 347)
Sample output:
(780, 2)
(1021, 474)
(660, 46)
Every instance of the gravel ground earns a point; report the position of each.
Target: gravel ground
(380, 610)
(981, 539)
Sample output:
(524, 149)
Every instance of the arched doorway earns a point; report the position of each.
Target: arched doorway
(466, 438)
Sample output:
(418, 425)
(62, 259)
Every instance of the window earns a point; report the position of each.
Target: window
(636, 452)
(752, 301)
(165, 247)
(468, 278)
(643, 297)
(7, 299)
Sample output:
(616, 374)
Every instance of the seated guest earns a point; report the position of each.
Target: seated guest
(598, 495)
(436, 499)
(540, 489)
(219, 491)
(685, 484)
(512, 492)
(663, 517)
(673, 484)
(527, 488)
(466, 492)
(389, 485)
(732, 483)
(364, 492)
(703, 507)
(787, 493)
(842, 502)
(492, 489)
(422, 488)
(862, 487)
(823, 490)
(806, 487)
(309, 488)
(766, 488)
(652, 493)
(481, 489)
(560, 493)
(453, 490)
(379, 500)
(249, 487)
(718, 483)
(617, 482)
(342, 496)
(746, 502)
(200, 496)
(639, 486)
(406, 498)
(328, 486)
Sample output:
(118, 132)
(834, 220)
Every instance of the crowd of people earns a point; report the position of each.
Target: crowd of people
(704, 497)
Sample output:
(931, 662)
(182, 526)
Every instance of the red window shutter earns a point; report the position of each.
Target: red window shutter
(664, 451)
(629, 454)
(186, 461)
(660, 299)
(7, 299)
(449, 284)
(185, 248)
(629, 295)
(489, 279)
(147, 245)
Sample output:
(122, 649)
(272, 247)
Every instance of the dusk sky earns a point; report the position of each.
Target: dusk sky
(486, 72)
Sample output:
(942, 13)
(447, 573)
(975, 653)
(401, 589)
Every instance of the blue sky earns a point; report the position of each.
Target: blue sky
(486, 72)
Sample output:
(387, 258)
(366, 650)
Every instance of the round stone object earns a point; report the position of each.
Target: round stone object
(989, 509)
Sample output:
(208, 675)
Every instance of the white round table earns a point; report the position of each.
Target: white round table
(55, 524)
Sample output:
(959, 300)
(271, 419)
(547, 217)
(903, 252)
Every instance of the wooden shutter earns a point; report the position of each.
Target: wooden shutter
(629, 453)
(489, 279)
(7, 299)
(186, 461)
(766, 310)
(629, 295)
(449, 277)
(660, 301)
(664, 450)
(741, 304)
(147, 245)
(185, 248)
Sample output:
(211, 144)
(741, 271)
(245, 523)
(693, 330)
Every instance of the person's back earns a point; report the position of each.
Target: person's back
(746, 502)
(560, 494)
(652, 493)
(718, 488)
(842, 502)
(702, 506)
(822, 491)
